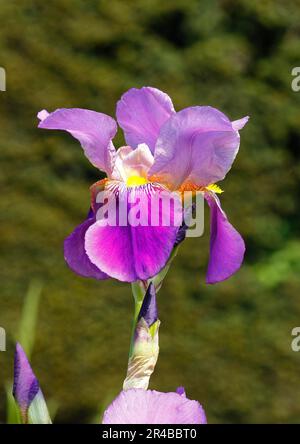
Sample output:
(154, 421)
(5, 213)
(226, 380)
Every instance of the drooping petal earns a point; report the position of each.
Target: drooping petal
(75, 254)
(94, 131)
(138, 406)
(227, 247)
(141, 113)
(196, 145)
(26, 385)
(137, 248)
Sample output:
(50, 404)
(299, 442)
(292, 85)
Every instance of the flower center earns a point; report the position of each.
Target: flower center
(135, 181)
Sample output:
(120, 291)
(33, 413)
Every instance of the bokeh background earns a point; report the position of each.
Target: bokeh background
(228, 344)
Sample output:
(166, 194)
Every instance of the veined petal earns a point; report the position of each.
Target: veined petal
(94, 131)
(227, 247)
(196, 145)
(75, 254)
(138, 406)
(139, 249)
(141, 113)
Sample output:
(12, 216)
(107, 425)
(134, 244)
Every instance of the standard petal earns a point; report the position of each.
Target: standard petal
(197, 145)
(94, 131)
(138, 406)
(137, 248)
(75, 254)
(141, 113)
(227, 246)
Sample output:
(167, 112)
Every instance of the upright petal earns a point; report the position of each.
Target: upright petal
(137, 248)
(75, 254)
(196, 145)
(94, 131)
(138, 406)
(141, 113)
(227, 247)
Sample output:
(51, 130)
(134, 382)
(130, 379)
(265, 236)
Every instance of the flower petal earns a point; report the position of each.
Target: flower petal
(75, 254)
(131, 251)
(26, 385)
(94, 131)
(138, 406)
(141, 113)
(196, 145)
(227, 247)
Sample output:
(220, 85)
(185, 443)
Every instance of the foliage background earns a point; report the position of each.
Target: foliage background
(229, 344)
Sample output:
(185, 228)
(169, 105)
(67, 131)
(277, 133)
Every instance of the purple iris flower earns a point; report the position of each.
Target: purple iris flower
(181, 151)
(138, 406)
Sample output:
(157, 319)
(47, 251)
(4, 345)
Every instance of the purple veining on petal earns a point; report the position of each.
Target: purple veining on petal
(149, 307)
(141, 113)
(196, 145)
(94, 131)
(75, 254)
(227, 247)
(26, 385)
(138, 406)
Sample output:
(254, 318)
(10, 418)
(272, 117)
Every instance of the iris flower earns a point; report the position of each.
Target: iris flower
(189, 150)
(138, 406)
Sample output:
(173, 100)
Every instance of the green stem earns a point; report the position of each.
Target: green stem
(138, 291)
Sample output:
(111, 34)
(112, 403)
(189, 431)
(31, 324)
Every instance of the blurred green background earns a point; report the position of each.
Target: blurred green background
(228, 344)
